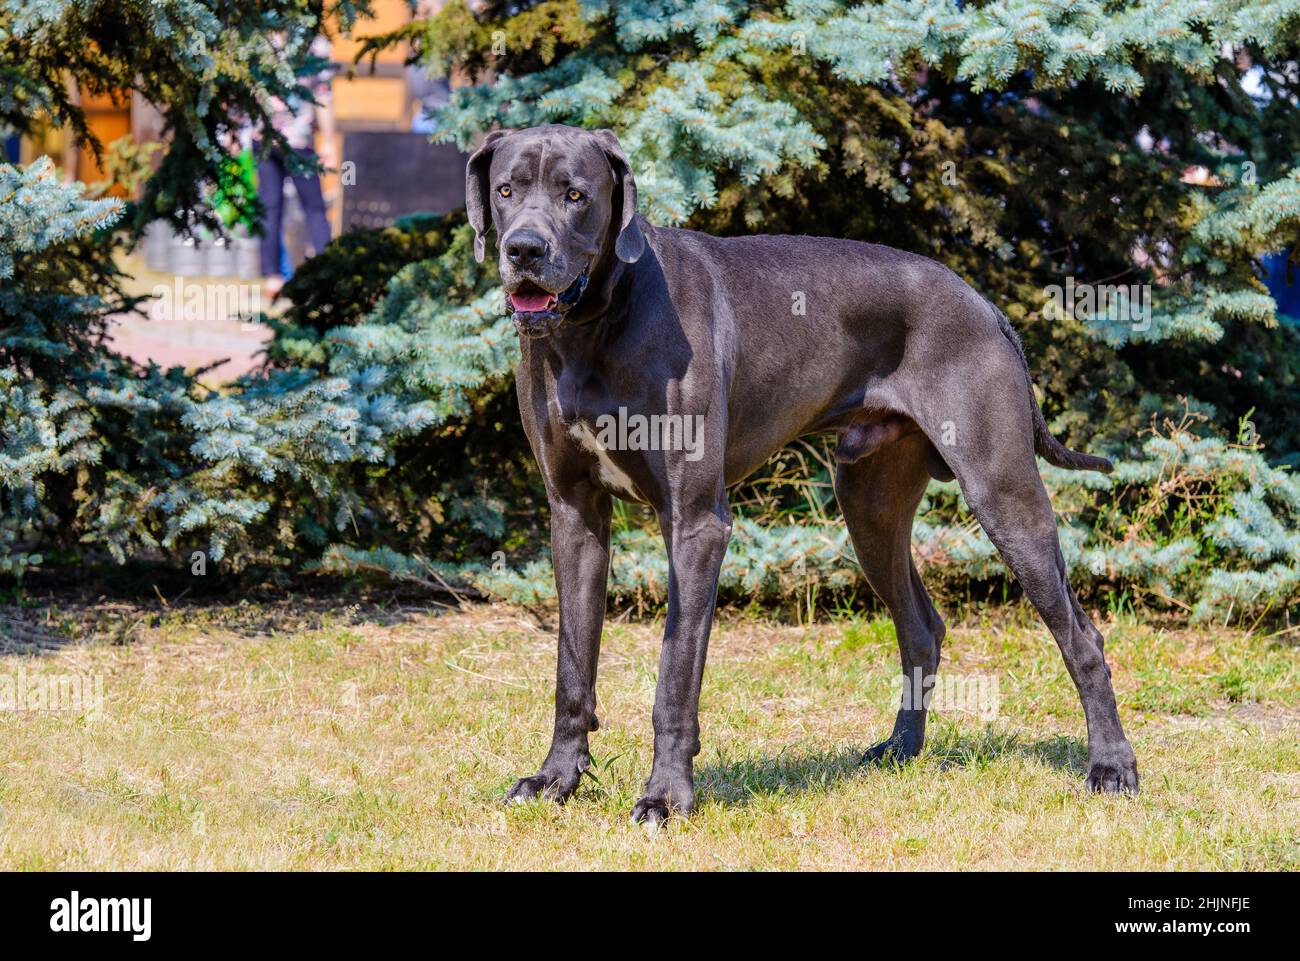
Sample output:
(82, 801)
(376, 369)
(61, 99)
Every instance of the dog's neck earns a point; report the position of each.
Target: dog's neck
(607, 274)
(594, 319)
(580, 346)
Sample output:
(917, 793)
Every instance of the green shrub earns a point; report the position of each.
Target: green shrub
(383, 433)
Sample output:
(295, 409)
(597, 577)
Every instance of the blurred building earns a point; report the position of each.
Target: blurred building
(378, 114)
(391, 168)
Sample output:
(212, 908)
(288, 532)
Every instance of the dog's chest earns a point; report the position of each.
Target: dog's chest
(580, 409)
(607, 474)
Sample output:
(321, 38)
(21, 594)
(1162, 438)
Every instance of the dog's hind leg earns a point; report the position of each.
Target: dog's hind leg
(878, 496)
(993, 458)
(1016, 514)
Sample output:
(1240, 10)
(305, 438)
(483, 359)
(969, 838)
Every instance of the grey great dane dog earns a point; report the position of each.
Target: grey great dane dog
(916, 373)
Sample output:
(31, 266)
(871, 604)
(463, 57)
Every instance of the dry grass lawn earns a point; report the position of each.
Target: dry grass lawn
(299, 736)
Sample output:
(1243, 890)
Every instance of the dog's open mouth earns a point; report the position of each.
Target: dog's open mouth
(531, 299)
(536, 311)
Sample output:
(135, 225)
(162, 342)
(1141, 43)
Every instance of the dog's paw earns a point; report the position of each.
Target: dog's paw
(652, 811)
(1114, 771)
(895, 750)
(660, 803)
(552, 787)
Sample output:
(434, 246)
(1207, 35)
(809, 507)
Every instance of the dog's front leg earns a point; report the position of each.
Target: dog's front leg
(696, 544)
(580, 519)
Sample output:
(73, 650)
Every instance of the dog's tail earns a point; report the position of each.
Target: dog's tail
(1047, 446)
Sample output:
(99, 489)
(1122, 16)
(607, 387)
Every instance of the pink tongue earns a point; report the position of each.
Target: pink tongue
(530, 302)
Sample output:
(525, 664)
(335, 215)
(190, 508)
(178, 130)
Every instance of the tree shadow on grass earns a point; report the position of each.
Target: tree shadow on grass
(737, 782)
(37, 629)
(26, 632)
(978, 750)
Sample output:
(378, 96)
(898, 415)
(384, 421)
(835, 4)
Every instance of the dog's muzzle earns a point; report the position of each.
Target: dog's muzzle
(543, 323)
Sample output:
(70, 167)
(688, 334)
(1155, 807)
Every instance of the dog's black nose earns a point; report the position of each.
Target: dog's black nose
(524, 248)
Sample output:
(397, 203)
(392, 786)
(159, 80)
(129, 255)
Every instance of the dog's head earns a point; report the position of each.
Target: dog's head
(560, 198)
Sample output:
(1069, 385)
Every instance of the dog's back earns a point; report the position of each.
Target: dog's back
(842, 325)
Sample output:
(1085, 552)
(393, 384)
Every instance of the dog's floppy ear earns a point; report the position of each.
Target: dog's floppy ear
(478, 198)
(631, 242)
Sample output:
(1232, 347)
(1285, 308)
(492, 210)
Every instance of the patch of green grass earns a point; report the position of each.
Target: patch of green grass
(876, 633)
(243, 737)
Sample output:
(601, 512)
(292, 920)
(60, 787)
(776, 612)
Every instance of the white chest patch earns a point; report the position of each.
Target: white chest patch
(609, 472)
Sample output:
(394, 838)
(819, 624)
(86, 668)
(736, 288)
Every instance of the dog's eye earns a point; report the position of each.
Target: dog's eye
(504, 190)
(574, 195)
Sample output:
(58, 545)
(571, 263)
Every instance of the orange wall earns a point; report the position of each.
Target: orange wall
(388, 16)
(108, 120)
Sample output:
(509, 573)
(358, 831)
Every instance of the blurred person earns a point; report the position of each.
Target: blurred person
(299, 120)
